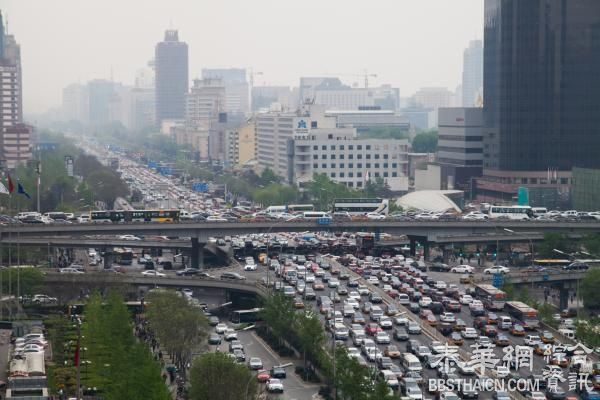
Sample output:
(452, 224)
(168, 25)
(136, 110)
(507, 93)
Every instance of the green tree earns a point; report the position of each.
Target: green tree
(381, 391)
(279, 315)
(591, 243)
(215, 376)
(322, 191)
(352, 380)
(275, 194)
(425, 142)
(553, 241)
(107, 186)
(377, 187)
(268, 177)
(310, 334)
(588, 289)
(29, 280)
(385, 132)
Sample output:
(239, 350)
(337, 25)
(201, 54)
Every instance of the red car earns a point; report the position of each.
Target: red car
(262, 376)
(372, 329)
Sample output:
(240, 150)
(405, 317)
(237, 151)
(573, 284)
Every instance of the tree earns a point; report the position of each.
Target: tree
(425, 142)
(381, 391)
(107, 186)
(591, 243)
(384, 132)
(275, 194)
(268, 176)
(322, 191)
(588, 289)
(310, 334)
(377, 187)
(215, 376)
(553, 241)
(352, 380)
(29, 280)
(279, 315)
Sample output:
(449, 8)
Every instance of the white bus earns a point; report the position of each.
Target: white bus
(313, 215)
(510, 212)
(362, 206)
(276, 210)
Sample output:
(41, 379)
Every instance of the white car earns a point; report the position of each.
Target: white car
(230, 334)
(373, 280)
(69, 270)
(375, 216)
(502, 371)
(425, 302)
(447, 317)
(462, 269)
(386, 323)
(363, 290)
(221, 328)
(382, 338)
(469, 333)
(250, 267)
(475, 216)
(401, 320)
(128, 237)
(465, 299)
(255, 363)
(373, 353)
(532, 340)
(537, 396)
(274, 386)
(497, 269)
(153, 272)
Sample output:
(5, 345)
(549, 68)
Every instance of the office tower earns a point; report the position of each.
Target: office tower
(171, 66)
(541, 94)
(15, 136)
(237, 90)
(472, 76)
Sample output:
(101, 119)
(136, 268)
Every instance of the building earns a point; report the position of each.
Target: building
(377, 98)
(240, 144)
(204, 102)
(171, 68)
(472, 76)
(541, 95)
(309, 86)
(420, 118)
(15, 136)
(266, 97)
(237, 90)
(75, 105)
(585, 191)
(101, 93)
(371, 122)
(433, 97)
(298, 145)
(459, 156)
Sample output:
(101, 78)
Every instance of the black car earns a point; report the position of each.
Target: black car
(414, 307)
(278, 372)
(412, 346)
(436, 307)
(466, 392)
(214, 339)
(556, 393)
(188, 272)
(401, 334)
(445, 328)
(477, 312)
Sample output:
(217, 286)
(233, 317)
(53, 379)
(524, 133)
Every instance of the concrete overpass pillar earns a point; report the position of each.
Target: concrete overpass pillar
(425, 250)
(563, 296)
(413, 247)
(197, 256)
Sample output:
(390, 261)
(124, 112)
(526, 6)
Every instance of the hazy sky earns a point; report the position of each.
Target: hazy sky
(409, 43)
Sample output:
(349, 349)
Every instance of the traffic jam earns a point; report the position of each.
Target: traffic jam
(430, 339)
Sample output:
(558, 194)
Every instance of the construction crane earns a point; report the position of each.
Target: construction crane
(364, 75)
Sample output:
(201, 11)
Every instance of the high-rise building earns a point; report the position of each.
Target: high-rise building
(237, 90)
(265, 97)
(171, 66)
(240, 144)
(472, 76)
(204, 102)
(541, 94)
(15, 144)
(75, 106)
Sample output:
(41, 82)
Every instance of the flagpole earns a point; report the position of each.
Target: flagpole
(18, 257)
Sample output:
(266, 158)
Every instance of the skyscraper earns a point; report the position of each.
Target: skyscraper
(542, 84)
(237, 90)
(541, 94)
(171, 65)
(472, 77)
(15, 143)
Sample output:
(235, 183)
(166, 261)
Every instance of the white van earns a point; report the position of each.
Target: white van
(411, 363)
(403, 299)
(569, 333)
(504, 322)
(312, 215)
(539, 211)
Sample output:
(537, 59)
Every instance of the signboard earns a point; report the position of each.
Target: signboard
(152, 164)
(301, 127)
(200, 187)
(498, 280)
(323, 221)
(69, 165)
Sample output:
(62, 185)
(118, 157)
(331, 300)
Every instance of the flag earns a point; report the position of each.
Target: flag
(367, 176)
(76, 357)
(11, 185)
(3, 189)
(22, 191)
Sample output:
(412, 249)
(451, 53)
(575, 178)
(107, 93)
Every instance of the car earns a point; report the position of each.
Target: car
(414, 328)
(372, 329)
(469, 333)
(465, 368)
(401, 320)
(382, 338)
(386, 322)
(70, 270)
(234, 276)
(384, 362)
(230, 335)
(250, 267)
(456, 339)
(497, 269)
(43, 299)
(221, 328)
(188, 272)
(559, 359)
(423, 352)
(502, 340)
(502, 371)
(214, 339)
(278, 372)
(501, 395)
(239, 355)
(555, 393)
(392, 351)
(153, 272)
(466, 392)
(517, 330)
(547, 337)
(532, 340)
(447, 317)
(263, 376)
(414, 307)
(128, 237)
(537, 396)
(401, 334)
(274, 385)
(462, 269)
(255, 363)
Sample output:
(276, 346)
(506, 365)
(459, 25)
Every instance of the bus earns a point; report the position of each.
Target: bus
(134, 216)
(491, 297)
(552, 262)
(123, 256)
(361, 206)
(241, 316)
(314, 215)
(510, 212)
(526, 315)
(298, 208)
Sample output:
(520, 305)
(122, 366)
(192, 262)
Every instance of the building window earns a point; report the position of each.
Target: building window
(315, 156)
(350, 184)
(330, 136)
(350, 174)
(376, 165)
(341, 156)
(533, 181)
(368, 156)
(323, 147)
(350, 156)
(385, 174)
(385, 156)
(315, 166)
(359, 147)
(351, 147)
(358, 184)
(313, 124)
(323, 165)
(394, 174)
(368, 165)
(351, 165)
(394, 165)
(341, 174)
(332, 147)
(341, 165)
(315, 147)
(359, 174)
(332, 165)
(359, 156)
(564, 181)
(368, 147)
(376, 174)
(377, 156)
(341, 147)
(324, 156)
(359, 165)
(333, 174)
(333, 156)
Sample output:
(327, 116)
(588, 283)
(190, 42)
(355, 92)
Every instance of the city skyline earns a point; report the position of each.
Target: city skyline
(407, 45)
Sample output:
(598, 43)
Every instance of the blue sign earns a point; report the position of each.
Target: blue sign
(497, 280)
(546, 277)
(200, 187)
(152, 164)
(323, 221)
(164, 170)
(302, 124)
